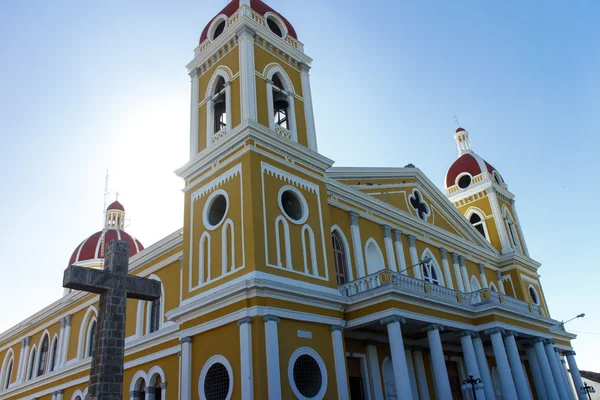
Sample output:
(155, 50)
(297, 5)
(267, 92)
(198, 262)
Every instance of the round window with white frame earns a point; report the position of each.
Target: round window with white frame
(293, 205)
(533, 294)
(276, 25)
(307, 374)
(464, 180)
(215, 209)
(217, 27)
(216, 379)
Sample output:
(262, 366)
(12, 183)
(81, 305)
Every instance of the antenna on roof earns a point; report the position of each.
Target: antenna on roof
(106, 196)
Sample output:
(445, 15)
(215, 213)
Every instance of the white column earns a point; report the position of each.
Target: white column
(438, 363)
(61, 335)
(373, 361)
(339, 358)
(575, 374)
(544, 365)
(516, 368)
(272, 346)
(555, 368)
(538, 381)
(500, 282)
(457, 274)
(247, 73)
(506, 380)
(411, 374)
(308, 108)
(399, 251)
(19, 366)
(446, 266)
(421, 375)
(60, 394)
(464, 273)
(195, 98)
(499, 219)
(484, 370)
(186, 368)
(414, 257)
(401, 378)
(65, 349)
(389, 248)
(247, 375)
(484, 281)
(357, 245)
(565, 374)
(466, 341)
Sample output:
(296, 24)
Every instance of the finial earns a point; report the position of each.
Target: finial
(117, 193)
(456, 120)
(106, 195)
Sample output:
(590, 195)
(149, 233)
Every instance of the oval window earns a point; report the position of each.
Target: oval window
(307, 376)
(215, 210)
(274, 26)
(533, 295)
(292, 205)
(219, 30)
(464, 181)
(216, 383)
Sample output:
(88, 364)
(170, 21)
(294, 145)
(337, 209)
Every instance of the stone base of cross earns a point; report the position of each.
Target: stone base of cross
(114, 286)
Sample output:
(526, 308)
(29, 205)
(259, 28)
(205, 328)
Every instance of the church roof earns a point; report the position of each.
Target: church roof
(470, 163)
(116, 206)
(94, 247)
(258, 6)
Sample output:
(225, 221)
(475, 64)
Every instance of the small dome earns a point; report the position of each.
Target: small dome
(93, 249)
(258, 6)
(469, 163)
(116, 206)
(459, 129)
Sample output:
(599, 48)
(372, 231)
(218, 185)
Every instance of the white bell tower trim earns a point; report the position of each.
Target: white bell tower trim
(462, 141)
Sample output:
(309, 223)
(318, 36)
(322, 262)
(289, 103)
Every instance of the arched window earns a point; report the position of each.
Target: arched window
(374, 257)
(431, 270)
(477, 223)
(31, 364)
(6, 371)
(220, 106)
(156, 383)
(339, 256)
(430, 274)
(41, 369)
(53, 353)
(511, 227)
(280, 104)
(92, 338)
(280, 97)
(155, 315)
(8, 375)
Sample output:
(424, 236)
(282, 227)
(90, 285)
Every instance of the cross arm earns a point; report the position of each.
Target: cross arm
(85, 279)
(142, 288)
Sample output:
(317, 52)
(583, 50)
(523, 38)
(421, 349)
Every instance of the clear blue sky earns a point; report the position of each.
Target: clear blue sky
(88, 86)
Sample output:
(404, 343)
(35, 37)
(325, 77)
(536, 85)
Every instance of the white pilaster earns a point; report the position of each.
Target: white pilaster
(421, 375)
(506, 380)
(401, 378)
(339, 358)
(399, 250)
(25, 359)
(457, 274)
(308, 109)
(565, 373)
(538, 381)
(484, 281)
(373, 361)
(61, 335)
(516, 368)
(414, 257)
(195, 98)
(22, 356)
(247, 73)
(465, 274)
(555, 368)
(544, 365)
(389, 248)
(65, 348)
(60, 394)
(272, 346)
(411, 374)
(446, 266)
(438, 363)
(500, 282)
(357, 245)
(515, 214)
(466, 341)
(247, 375)
(484, 370)
(186, 368)
(575, 374)
(499, 220)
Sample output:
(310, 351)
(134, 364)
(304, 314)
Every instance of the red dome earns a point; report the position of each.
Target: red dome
(94, 247)
(470, 163)
(256, 5)
(116, 206)
(460, 130)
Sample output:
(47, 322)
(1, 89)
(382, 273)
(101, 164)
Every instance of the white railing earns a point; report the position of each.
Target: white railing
(424, 289)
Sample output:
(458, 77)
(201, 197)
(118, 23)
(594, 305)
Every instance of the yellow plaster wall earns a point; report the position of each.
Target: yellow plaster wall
(341, 218)
(262, 58)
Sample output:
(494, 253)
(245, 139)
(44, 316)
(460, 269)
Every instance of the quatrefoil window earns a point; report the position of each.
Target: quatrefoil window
(420, 206)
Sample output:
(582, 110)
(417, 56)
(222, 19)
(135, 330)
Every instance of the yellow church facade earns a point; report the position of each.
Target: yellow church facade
(294, 279)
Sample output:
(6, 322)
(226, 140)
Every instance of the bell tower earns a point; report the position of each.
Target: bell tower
(482, 196)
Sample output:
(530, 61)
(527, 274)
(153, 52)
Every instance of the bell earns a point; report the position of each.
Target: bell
(220, 105)
(280, 101)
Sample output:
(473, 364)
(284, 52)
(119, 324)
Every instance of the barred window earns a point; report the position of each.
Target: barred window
(216, 383)
(307, 376)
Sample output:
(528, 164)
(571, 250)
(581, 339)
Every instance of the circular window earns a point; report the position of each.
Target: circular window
(534, 296)
(307, 374)
(274, 26)
(464, 181)
(216, 379)
(219, 30)
(215, 209)
(293, 204)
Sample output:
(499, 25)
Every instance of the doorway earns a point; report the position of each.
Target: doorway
(356, 379)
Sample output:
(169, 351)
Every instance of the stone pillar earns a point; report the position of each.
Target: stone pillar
(457, 274)
(389, 248)
(438, 363)
(399, 250)
(538, 381)
(484, 281)
(373, 361)
(308, 108)
(401, 378)
(411, 374)
(247, 375)
(186, 368)
(575, 374)
(247, 73)
(339, 358)
(506, 380)
(414, 257)
(65, 349)
(446, 267)
(555, 368)
(565, 373)
(500, 282)
(421, 375)
(516, 368)
(484, 370)
(357, 245)
(544, 365)
(272, 346)
(466, 341)
(195, 94)
(465, 274)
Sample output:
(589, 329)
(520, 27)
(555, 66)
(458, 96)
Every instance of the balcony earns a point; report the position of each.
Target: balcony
(385, 280)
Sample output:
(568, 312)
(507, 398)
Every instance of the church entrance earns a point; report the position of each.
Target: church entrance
(454, 378)
(356, 379)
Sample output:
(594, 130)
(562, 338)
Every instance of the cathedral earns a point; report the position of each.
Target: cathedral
(294, 279)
